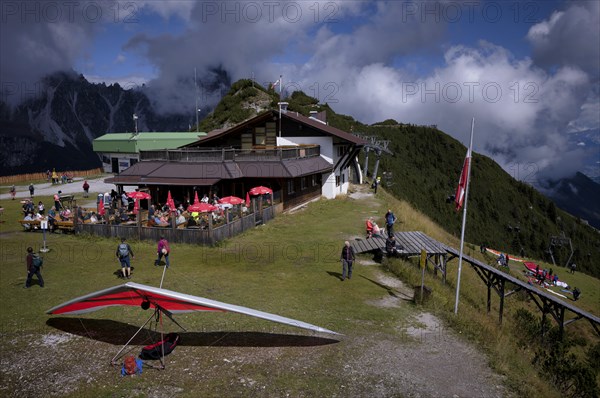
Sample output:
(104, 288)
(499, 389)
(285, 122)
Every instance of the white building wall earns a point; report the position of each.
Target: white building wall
(124, 160)
(328, 188)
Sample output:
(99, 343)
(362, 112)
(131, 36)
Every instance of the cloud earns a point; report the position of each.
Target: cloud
(38, 38)
(569, 37)
(120, 59)
(521, 111)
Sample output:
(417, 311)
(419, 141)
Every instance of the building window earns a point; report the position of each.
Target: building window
(313, 180)
(343, 177)
(341, 150)
(290, 187)
(337, 181)
(260, 136)
(303, 183)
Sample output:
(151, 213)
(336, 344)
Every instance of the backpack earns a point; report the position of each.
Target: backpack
(123, 250)
(131, 366)
(37, 261)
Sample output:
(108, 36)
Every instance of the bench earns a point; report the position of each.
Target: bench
(64, 225)
(34, 224)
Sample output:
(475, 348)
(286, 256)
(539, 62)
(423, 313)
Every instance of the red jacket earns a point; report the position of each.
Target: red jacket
(369, 226)
(163, 244)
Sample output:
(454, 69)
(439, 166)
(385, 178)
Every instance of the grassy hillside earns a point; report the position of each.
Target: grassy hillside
(504, 213)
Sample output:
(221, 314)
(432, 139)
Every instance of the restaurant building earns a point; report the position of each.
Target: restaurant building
(300, 158)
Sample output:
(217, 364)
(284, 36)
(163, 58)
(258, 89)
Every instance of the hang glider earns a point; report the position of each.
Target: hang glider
(167, 301)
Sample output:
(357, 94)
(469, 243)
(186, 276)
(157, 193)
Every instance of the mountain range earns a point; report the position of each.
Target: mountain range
(56, 128)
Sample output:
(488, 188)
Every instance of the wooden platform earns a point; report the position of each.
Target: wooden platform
(412, 243)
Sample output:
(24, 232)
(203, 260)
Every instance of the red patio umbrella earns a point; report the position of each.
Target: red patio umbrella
(101, 209)
(171, 202)
(196, 200)
(136, 206)
(201, 207)
(138, 195)
(260, 191)
(247, 199)
(232, 200)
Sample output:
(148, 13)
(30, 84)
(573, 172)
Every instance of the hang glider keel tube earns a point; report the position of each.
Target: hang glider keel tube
(166, 302)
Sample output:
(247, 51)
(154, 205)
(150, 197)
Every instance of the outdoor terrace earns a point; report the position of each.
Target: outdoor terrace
(232, 154)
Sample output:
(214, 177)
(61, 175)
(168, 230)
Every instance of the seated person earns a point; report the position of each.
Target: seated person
(191, 222)
(65, 215)
(28, 217)
(576, 294)
(180, 219)
(390, 246)
(93, 219)
(501, 260)
(376, 231)
(203, 223)
(124, 216)
(80, 214)
(369, 224)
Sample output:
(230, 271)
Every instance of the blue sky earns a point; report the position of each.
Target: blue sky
(528, 71)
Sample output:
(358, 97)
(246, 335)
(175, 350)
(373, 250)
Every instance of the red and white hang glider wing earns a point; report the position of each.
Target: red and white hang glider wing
(134, 294)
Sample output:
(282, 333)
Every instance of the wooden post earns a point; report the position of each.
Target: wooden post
(138, 218)
(502, 282)
(210, 228)
(444, 268)
(489, 294)
(561, 323)
(423, 264)
(75, 218)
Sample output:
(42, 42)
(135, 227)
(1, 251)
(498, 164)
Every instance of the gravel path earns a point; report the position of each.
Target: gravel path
(47, 189)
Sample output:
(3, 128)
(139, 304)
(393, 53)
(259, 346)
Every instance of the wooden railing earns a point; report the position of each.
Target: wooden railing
(229, 154)
(190, 236)
(42, 175)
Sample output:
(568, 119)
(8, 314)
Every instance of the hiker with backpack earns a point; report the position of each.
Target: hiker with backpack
(34, 267)
(123, 252)
(163, 249)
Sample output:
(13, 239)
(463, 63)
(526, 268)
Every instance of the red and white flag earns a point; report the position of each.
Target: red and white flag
(276, 83)
(459, 197)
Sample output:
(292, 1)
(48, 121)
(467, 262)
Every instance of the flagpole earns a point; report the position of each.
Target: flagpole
(464, 220)
(280, 85)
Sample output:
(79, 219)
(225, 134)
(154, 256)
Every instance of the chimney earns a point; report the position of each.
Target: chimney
(319, 116)
(283, 106)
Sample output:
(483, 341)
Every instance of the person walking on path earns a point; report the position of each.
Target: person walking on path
(123, 253)
(34, 267)
(390, 219)
(13, 192)
(31, 190)
(347, 258)
(86, 189)
(163, 250)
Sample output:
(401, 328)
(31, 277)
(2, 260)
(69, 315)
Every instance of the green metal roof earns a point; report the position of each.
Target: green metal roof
(131, 143)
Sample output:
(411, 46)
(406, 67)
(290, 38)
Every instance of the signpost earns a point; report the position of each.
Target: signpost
(44, 227)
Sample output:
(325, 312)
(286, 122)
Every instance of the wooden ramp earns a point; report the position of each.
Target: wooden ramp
(411, 242)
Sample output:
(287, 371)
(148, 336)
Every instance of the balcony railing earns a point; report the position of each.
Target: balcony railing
(231, 154)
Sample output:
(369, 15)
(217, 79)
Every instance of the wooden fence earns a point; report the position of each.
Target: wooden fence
(42, 176)
(178, 235)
